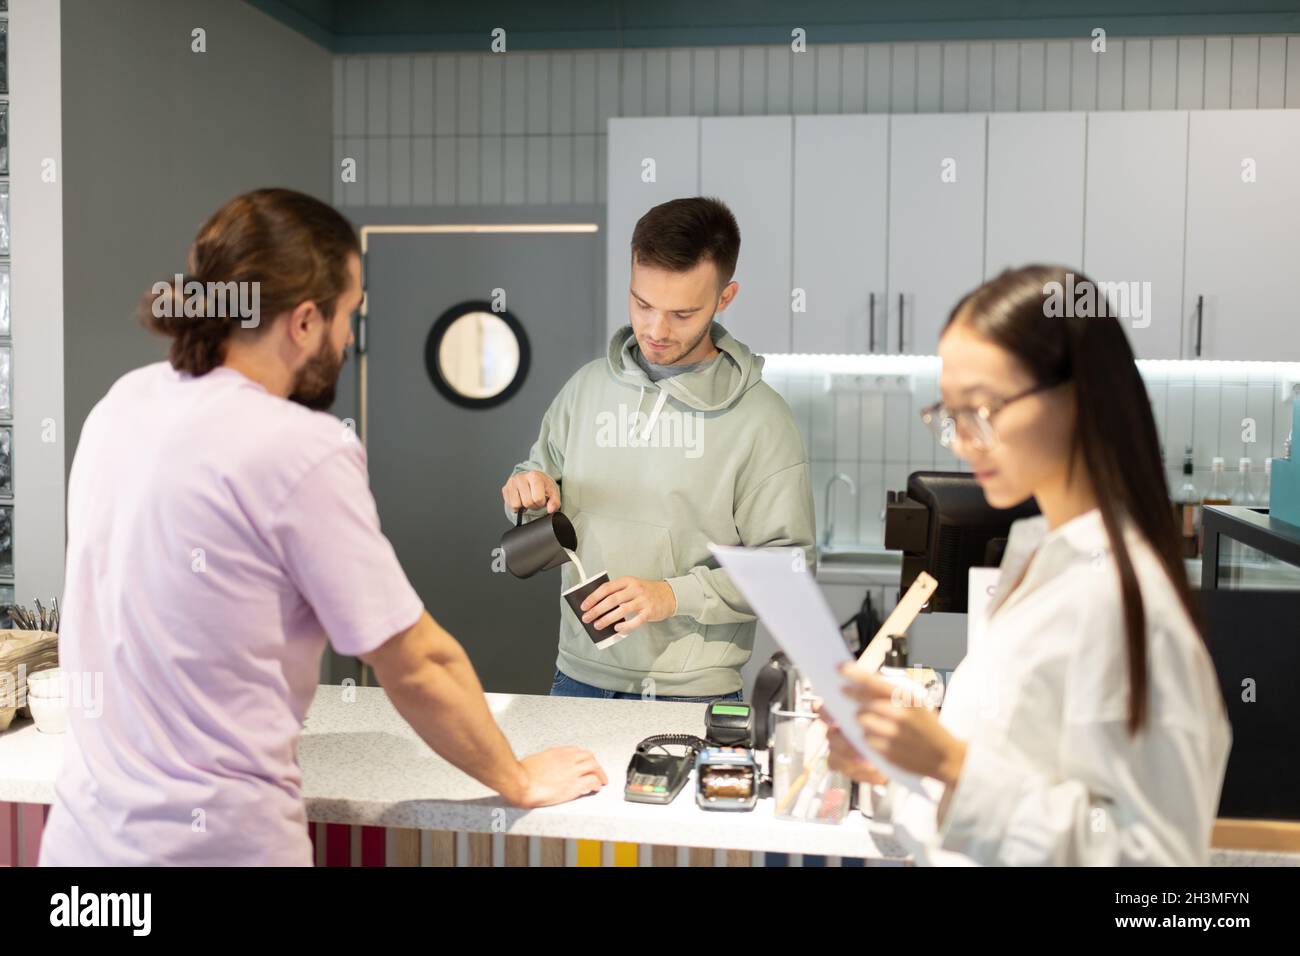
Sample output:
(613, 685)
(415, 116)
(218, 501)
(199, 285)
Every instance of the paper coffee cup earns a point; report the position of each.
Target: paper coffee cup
(576, 595)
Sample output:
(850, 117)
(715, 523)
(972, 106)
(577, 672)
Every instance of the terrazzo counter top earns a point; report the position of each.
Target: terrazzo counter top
(363, 765)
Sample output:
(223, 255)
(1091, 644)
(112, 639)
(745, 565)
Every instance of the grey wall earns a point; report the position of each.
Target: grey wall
(155, 138)
(529, 128)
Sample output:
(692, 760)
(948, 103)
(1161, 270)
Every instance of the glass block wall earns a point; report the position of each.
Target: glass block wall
(6, 342)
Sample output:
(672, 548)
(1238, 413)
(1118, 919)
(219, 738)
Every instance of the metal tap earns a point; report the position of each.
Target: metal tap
(829, 511)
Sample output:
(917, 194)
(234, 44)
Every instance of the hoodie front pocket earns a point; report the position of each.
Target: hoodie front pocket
(625, 548)
(622, 547)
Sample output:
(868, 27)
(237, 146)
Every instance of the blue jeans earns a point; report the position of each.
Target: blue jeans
(565, 686)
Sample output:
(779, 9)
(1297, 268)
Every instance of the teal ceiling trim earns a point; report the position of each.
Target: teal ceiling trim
(407, 26)
(826, 34)
(317, 25)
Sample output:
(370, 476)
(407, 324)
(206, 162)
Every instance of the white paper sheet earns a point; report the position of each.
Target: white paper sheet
(785, 596)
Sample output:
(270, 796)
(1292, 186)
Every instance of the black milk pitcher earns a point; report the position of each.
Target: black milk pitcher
(538, 545)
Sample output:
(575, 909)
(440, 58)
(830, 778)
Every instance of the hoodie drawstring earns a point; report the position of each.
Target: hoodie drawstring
(640, 397)
(654, 414)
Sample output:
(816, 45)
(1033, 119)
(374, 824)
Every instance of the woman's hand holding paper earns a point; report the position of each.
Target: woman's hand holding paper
(901, 732)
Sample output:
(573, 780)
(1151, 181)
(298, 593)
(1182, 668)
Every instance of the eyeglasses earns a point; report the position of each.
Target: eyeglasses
(974, 421)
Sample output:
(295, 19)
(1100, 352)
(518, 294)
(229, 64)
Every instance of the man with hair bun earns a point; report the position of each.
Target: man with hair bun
(212, 556)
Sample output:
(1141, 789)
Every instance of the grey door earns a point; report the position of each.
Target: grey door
(436, 468)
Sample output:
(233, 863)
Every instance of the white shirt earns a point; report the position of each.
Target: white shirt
(1052, 775)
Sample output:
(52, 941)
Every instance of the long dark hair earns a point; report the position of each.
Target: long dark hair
(294, 247)
(1115, 436)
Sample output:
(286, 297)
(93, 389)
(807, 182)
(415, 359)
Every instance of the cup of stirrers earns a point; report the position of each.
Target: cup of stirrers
(42, 619)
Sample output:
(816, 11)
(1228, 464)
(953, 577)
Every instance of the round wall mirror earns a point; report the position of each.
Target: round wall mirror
(476, 357)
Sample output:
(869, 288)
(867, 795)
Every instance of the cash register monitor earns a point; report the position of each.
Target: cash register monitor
(944, 526)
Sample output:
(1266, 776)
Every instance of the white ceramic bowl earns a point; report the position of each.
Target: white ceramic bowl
(50, 714)
(48, 683)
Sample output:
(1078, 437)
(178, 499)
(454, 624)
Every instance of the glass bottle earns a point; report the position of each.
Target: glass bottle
(1243, 493)
(1218, 493)
(1187, 507)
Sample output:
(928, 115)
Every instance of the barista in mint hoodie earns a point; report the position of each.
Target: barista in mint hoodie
(668, 443)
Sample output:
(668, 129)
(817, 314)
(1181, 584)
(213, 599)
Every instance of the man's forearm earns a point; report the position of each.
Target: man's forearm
(439, 694)
(708, 596)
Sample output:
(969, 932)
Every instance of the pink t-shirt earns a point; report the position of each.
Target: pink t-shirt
(218, 536)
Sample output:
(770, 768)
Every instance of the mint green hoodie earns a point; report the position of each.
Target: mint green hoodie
(650, 473)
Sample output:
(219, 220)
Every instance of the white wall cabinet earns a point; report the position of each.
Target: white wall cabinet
(1135, 220)
(1243, 221)
(747, 162)
(914, 211)
(936, 223)
(672, 144)
(1035, 190)
(841, 209)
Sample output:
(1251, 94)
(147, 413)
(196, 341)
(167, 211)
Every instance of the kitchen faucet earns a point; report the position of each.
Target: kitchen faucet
(828, 512)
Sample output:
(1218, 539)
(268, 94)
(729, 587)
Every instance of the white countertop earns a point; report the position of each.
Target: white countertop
(362, 764)
(29, 762)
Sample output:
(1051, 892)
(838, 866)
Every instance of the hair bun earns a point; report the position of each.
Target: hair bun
(163, 306)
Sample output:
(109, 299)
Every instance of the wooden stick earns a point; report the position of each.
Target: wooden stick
(899, 620)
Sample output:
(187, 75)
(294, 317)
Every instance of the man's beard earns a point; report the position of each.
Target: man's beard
(690, 346)
(315, 383)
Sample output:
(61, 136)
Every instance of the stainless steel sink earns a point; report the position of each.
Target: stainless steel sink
(858, 565)
(850, 554)
(846, 556)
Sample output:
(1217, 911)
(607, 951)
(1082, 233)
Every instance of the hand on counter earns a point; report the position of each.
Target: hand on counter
(432, 684)
(559, 775)
(533, 490)
(906, 735)
(630, 601)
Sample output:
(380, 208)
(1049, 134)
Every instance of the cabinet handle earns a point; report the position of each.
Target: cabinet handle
(900, 322)
(1200, 315)
(871, 322)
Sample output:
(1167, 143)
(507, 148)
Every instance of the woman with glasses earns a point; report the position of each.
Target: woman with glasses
(1086, 726)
